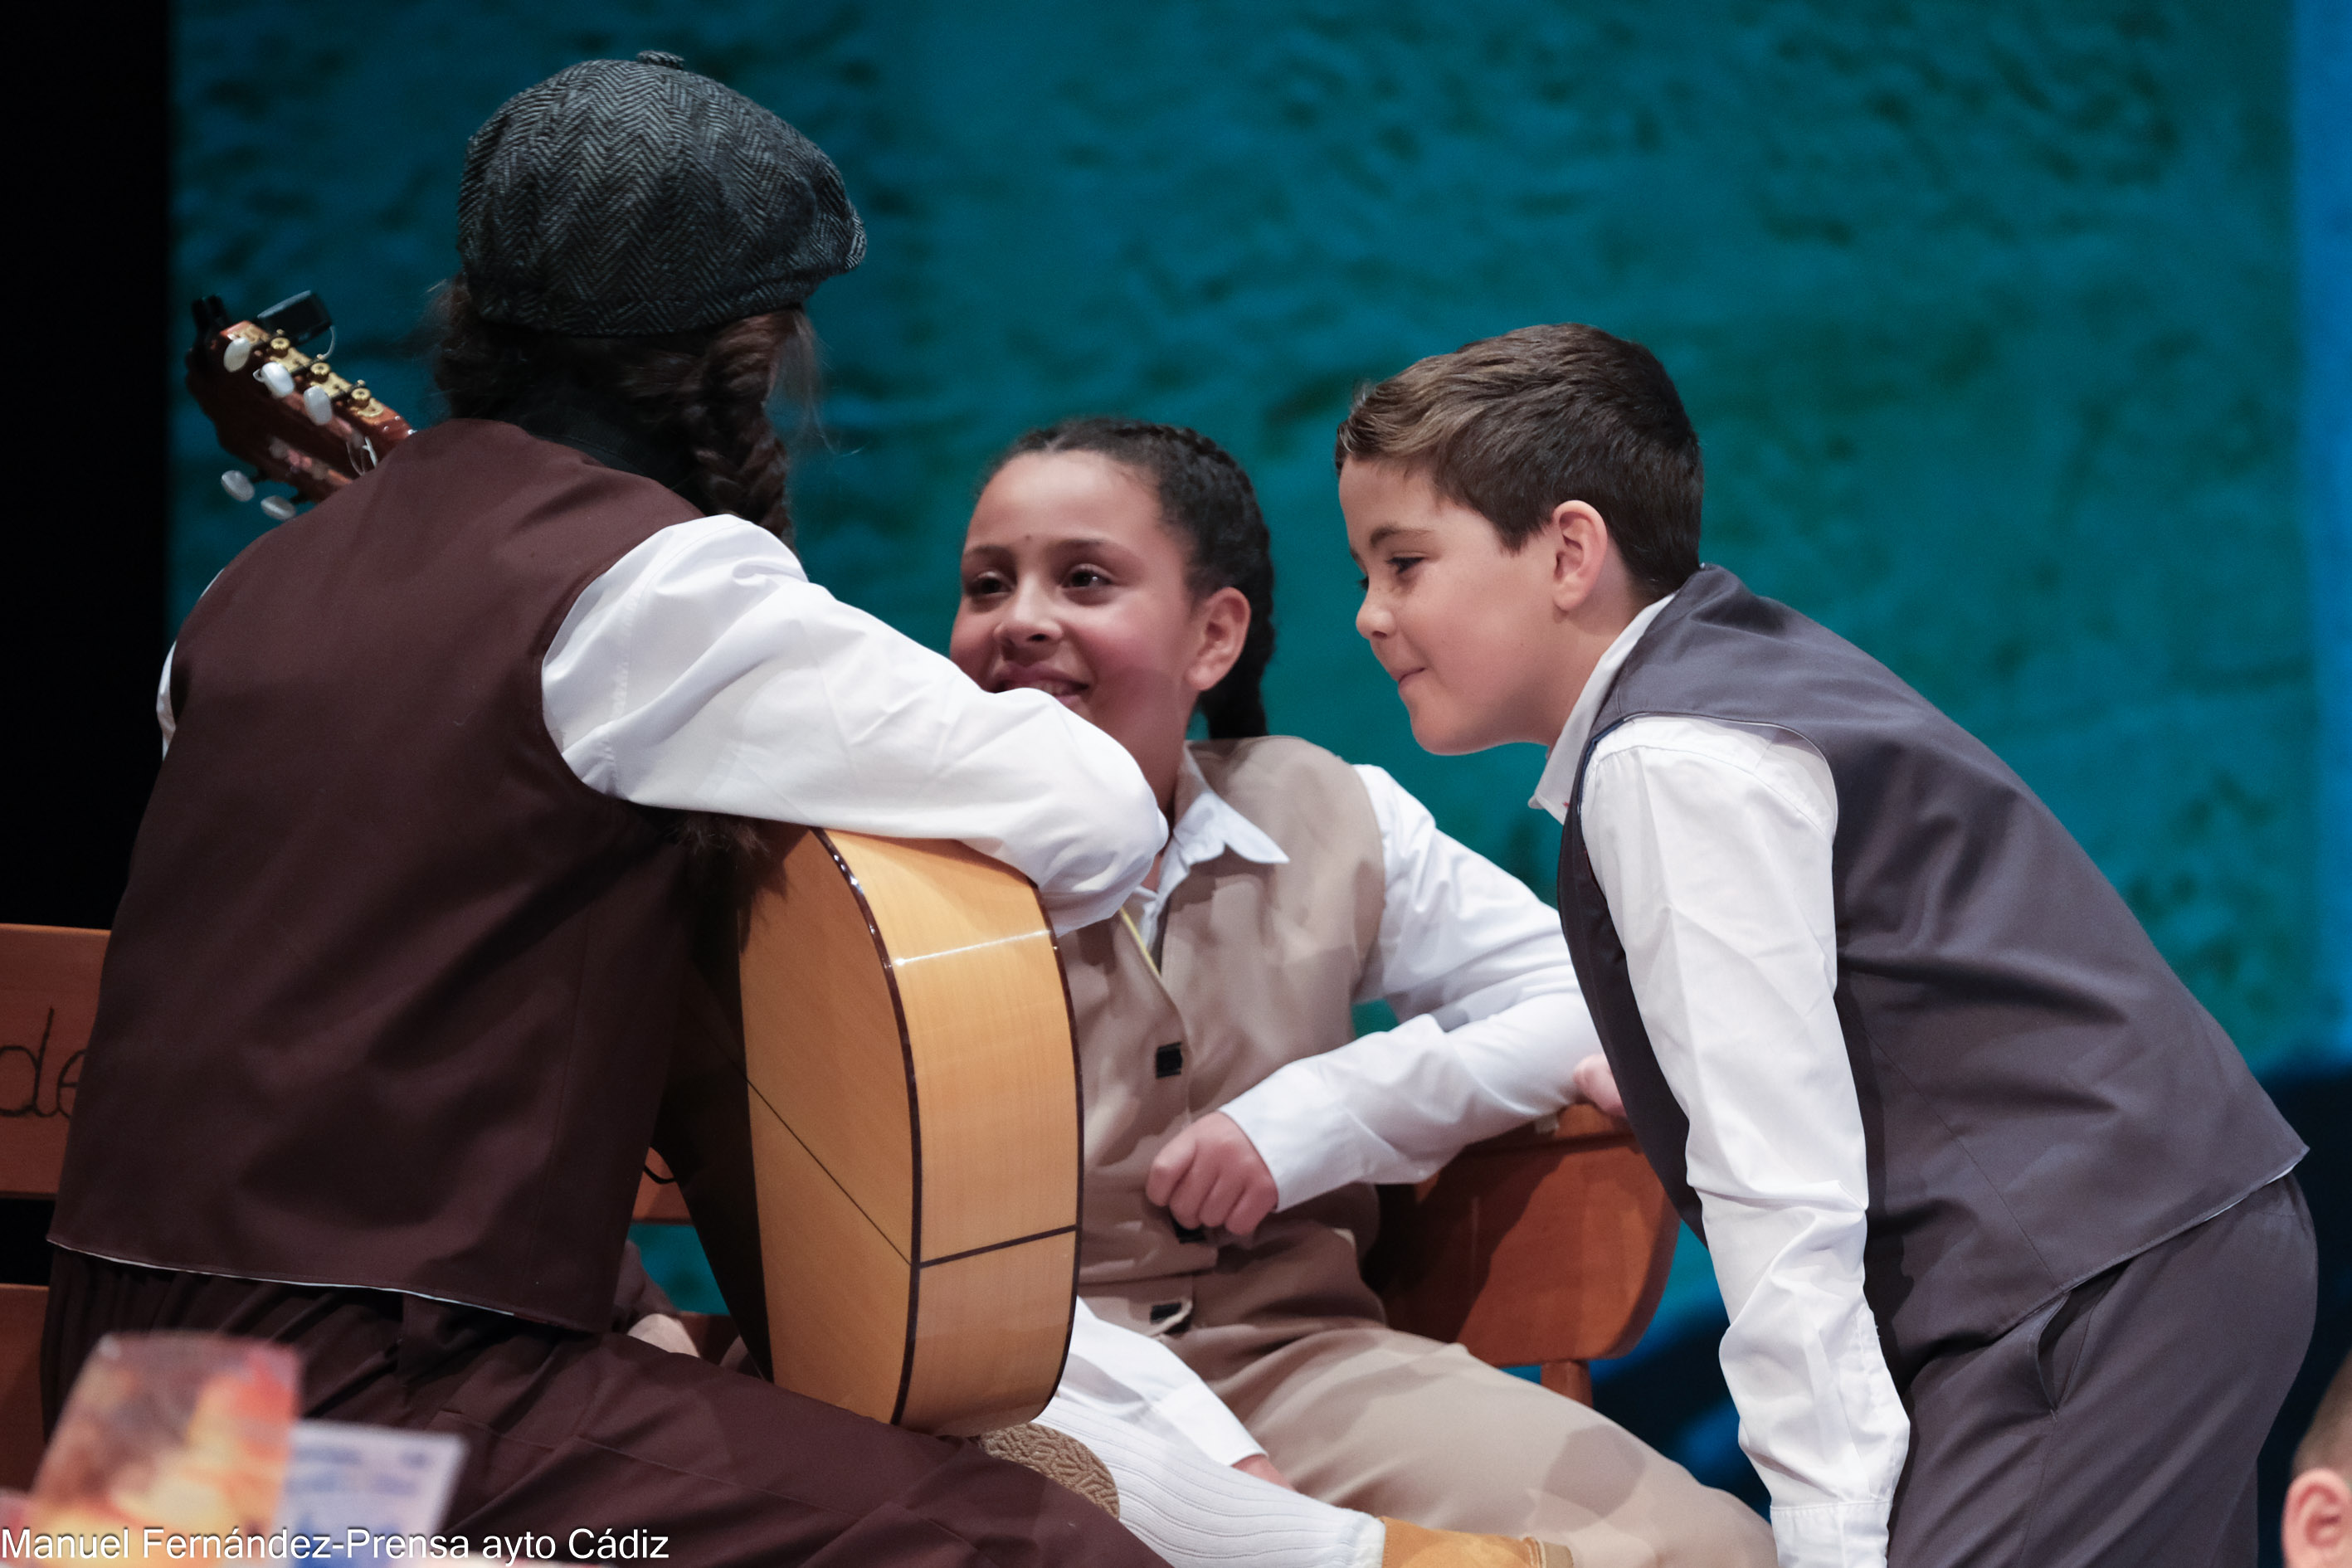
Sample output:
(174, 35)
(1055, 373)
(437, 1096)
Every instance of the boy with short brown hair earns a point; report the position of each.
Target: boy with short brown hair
(2013, 1263)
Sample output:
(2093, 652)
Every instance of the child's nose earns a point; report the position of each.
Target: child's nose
(1028, 617)
(1372, 621)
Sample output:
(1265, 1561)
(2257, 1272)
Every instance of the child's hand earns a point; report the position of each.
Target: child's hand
(1596, 1083)
(1211, 1174)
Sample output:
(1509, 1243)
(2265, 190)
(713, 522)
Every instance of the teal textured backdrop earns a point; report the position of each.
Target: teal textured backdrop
(1985, 312)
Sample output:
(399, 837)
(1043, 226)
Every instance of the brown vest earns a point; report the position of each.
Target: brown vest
(2040, 1096)
(390, 991)
(1258, 967)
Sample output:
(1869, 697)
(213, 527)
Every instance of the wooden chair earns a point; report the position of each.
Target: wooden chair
(48, 999)
(1547, 1248)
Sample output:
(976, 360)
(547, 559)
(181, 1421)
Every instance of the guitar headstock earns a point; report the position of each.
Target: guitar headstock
(277, 407)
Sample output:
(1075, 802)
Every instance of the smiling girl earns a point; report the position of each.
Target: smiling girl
(1235, 1122)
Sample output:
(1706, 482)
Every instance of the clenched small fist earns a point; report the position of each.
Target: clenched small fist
(1596, 1083)
(1211, 1174)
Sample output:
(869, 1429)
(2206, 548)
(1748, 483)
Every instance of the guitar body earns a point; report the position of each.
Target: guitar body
(915, 1131)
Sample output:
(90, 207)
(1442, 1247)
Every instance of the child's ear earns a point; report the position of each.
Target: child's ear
(1576, 540)
(2317, 1528)
(1224, 620)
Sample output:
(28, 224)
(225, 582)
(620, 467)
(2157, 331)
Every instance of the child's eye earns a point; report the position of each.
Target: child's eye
(986, 585)
(1400, 564)
(1088, 577)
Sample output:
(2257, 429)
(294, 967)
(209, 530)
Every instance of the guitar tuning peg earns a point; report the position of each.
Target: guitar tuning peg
(318, 404)
(233, 357)
(279, 379)
(238, 486)
(278, 508)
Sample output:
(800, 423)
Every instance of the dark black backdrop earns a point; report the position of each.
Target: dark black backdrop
(83, 563)
(83, 604)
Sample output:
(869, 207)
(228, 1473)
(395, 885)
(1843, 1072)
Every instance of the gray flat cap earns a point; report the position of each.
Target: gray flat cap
(621, 197)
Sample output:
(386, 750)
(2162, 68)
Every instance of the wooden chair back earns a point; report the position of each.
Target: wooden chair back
(1547, 1246)
(658, 1200)
(48, 999)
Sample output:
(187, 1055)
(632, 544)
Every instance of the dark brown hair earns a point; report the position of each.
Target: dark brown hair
(1512, 426)
(706, 391)
(1207, 501)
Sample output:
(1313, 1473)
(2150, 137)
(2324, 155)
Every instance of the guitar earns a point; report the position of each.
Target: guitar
(914, 1130)
(912, 1068)
(275, 407)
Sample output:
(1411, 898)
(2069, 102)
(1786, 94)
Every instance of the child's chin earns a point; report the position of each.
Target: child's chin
(1444, 730)
(1439, 738)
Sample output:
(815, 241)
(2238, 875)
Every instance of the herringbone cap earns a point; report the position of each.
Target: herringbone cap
(623, 197)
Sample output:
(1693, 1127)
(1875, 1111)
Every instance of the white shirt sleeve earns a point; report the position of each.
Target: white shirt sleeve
(1711, 843)
(1492, 1023)
(1140, 1381)
(705, 672)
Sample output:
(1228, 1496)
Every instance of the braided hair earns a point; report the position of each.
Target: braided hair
(707, 390)
(1207, 500)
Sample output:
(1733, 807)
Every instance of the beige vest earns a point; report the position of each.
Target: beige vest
(1258, 967)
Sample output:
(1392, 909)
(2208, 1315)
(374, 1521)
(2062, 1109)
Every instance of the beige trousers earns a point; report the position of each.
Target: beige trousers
(1362, 1416)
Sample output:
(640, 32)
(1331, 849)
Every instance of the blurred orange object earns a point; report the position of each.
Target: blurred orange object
(184, 1431)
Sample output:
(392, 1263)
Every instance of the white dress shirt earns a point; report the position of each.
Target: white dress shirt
(705, 672)
(1711, 843)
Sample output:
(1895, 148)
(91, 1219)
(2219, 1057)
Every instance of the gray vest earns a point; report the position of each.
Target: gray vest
(2042, 1097)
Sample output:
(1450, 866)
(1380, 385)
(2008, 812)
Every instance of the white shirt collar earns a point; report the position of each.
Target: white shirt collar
(1567, 752)
(1208, 825)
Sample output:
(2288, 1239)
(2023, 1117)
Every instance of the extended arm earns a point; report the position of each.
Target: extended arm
(705, 672)
(1492, 1023)
(1712, 846)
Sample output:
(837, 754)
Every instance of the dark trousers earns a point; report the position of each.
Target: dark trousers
(2118, 1426)
(566, 1430)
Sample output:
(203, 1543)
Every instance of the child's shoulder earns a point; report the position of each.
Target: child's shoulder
(1277, 759)
(1281, 777)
